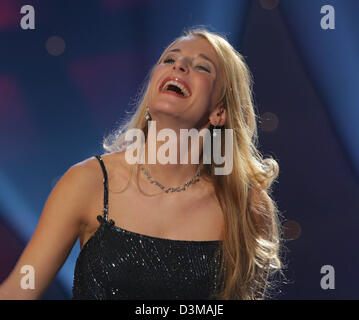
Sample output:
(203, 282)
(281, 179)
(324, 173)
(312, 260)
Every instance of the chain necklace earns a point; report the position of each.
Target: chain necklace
(171, 189)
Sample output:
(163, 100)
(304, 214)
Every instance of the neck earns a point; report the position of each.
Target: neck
(175, 173)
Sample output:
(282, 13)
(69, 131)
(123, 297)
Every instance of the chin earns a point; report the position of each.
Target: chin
(167, 108)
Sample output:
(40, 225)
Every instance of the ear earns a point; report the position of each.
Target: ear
(218, 115)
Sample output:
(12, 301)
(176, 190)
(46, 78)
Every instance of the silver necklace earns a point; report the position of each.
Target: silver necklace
(171, 189)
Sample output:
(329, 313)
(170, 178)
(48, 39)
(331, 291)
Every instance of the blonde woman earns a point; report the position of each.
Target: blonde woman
(167, 231)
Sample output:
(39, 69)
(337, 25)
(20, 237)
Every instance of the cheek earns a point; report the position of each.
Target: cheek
(204, 83)
(205, 88)
(156, 75)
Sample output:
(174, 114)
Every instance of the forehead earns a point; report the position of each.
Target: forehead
(195, 45)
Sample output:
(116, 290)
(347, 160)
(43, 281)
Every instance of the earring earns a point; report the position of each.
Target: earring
(147, 114)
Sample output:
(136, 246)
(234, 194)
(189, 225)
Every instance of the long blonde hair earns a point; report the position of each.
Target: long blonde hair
(252, 235)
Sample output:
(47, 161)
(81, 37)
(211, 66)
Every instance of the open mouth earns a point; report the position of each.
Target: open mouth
(174, 85)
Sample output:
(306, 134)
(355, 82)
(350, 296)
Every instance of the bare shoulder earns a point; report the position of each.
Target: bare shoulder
(117, 168)
(61, 221)
(83, 174)
(89, 175)
(90, 171)
(74, 188)
(116, 161)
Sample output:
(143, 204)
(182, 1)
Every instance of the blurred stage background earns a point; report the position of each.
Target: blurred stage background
(66, 84)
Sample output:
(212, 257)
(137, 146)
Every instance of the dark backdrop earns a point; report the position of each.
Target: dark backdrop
(67, 83)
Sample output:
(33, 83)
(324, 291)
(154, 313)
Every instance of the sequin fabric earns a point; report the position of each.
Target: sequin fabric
(120, 264)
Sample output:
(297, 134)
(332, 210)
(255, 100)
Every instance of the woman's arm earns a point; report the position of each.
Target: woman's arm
(55, 234)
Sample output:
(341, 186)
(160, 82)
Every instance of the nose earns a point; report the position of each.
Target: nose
(180, 64)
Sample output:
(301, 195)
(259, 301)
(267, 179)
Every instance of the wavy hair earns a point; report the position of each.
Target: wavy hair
(251, 245)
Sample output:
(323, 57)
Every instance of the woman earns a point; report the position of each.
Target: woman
(210, 236)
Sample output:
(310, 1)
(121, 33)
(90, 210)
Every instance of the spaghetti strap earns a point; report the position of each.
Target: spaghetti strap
(105, 185)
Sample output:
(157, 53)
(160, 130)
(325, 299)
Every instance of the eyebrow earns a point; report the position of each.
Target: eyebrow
(200, 55)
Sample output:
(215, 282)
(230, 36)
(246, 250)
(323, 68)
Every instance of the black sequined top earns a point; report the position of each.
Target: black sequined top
(119, 264)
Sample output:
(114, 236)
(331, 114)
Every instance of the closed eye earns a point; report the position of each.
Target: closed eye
(170, 60)
(167, 60)
(204, 68)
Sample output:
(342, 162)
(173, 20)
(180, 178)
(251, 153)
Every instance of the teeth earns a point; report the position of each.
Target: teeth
(177, 84)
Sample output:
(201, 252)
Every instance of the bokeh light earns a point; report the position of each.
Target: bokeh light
(269, 122)
(55, 45)
(291, 230)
